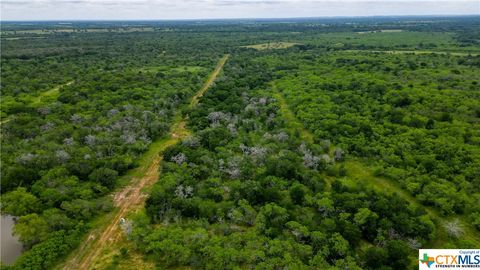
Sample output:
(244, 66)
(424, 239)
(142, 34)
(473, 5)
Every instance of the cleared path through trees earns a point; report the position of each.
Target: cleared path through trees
(359, 171)
(38, 99)
(131, 197)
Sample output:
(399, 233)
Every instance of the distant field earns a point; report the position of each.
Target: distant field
(401, 40)
(18, 38)
(78, 30)
(382, 31)
(418, 52)
(272, 45)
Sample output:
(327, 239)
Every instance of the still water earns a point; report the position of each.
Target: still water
(10, 247)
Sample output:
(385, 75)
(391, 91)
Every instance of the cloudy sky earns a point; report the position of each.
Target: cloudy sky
(201, 9)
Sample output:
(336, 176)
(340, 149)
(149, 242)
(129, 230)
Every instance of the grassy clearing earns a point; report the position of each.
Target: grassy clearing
(271, 45)
(49, 94)
(209, 81)
(292, 123)
(5, 120)
(359, 173)
(44, 97)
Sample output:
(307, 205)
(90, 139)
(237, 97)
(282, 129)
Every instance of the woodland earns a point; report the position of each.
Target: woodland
(320, 144)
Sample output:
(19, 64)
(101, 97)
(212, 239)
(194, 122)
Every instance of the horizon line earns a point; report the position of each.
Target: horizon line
(242, 18)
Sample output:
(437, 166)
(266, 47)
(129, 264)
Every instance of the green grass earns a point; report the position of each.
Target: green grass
(291, 121)
(44, 97)
(209, 81)
(48, 95)
(359, 173)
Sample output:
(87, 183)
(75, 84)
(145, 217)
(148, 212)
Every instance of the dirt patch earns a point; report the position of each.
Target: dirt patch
(131, 197)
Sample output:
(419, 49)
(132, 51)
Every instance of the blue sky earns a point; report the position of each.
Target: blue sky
(203, 9)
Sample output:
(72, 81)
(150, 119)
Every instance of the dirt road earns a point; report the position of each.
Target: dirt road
(131, 197)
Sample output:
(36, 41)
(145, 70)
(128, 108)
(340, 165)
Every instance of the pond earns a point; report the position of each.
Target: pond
(11, 247)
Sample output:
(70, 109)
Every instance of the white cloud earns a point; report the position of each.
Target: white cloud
(188, 9)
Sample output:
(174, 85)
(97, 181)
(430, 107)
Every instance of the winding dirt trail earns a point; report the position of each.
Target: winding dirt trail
(131, 197)
(360, 172)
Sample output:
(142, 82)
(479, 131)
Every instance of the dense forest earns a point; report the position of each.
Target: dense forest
(312, 144)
